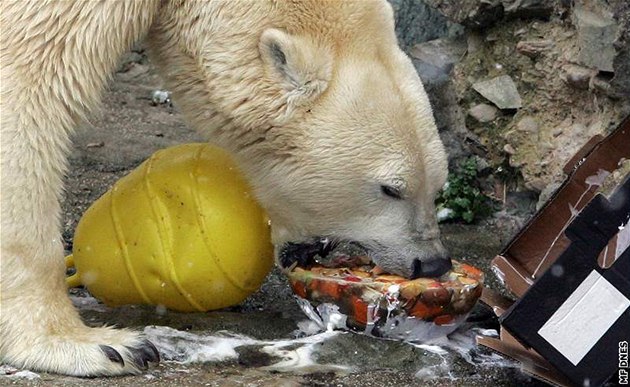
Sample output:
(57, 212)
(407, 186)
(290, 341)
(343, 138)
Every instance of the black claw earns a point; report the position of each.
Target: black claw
(152, 353)
(303, 253)
(297, 252)
(138, 358)
(112, 354)
(326, 247)
(144, 354)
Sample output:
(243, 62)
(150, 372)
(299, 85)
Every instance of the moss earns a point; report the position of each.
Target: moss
(462, 194)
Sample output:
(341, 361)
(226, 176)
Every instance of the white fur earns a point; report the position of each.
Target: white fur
(317, 134)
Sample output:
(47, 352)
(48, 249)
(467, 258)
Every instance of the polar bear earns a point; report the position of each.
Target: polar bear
(314, 98)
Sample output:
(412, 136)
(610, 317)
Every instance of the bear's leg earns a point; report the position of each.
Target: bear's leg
(55, 58)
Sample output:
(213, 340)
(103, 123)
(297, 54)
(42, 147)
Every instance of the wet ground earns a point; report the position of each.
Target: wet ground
(266, 341)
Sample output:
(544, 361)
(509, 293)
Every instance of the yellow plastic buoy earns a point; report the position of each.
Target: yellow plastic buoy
(182, 230)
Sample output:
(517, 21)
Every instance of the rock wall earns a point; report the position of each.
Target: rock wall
(522, 84)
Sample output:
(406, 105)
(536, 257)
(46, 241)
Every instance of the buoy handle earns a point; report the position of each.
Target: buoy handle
(74, 280)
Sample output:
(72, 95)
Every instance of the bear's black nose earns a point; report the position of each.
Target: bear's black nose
(433, 268)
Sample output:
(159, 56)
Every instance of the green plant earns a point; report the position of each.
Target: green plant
(461, 197)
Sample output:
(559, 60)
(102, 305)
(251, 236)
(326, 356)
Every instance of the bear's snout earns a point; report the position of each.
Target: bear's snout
(427, 258)
(433, 260)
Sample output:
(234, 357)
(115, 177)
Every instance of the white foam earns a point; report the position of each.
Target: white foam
(300, 359)
(26, 374)
(307, 328)
(413, 330)
(187, 347)
(6, 371)
(437, 371)
(463, 343)
(296, 355)
(457, 338)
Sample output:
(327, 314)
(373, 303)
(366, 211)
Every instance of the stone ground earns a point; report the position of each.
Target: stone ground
(126, 131)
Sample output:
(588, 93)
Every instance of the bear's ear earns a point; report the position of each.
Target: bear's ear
(302, 67)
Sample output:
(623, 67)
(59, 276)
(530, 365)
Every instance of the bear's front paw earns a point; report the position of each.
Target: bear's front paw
(303, 254)
(82, 351)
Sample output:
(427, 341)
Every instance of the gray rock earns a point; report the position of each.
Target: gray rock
(98, 144)
(533, 48)
(528, 124)
(159, 97)
(435, 60)
(620, 84)
(483, 13)
(450, 120)
(483, 112)
(596, 34)
(471, 13)
(501, 91)
(417, 22)
(576, 76)
(475, 41)
(601, 83)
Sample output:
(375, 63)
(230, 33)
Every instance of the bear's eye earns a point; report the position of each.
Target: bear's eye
(392, 192)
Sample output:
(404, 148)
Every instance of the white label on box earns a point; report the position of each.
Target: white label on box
(584, 317)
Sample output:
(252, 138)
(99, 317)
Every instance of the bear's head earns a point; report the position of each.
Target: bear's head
(331, 124)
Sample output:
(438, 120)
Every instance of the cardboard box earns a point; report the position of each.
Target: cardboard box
(570, 269)
(577, 313)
